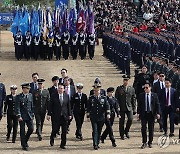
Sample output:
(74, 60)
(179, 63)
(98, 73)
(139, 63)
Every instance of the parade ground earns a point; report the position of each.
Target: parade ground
(84, 71)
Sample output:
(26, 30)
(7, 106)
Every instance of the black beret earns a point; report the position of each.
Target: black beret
(54, 78)
(110, 89)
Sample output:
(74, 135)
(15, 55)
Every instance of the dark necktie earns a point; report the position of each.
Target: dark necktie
(148, 107)
(162, 85)
(61, 99)
(167, 98)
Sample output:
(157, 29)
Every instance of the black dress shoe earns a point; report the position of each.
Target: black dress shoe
(27, 145)
(114, 145)
(13, 141)
(171, 135)
(51, 142)
(95, 147)
(122, 137)
(40, 138)
(62, 147)
(150, 145)
(102, 140)
(127, 135)
(143, 146)
(7, 138)
(25, 148)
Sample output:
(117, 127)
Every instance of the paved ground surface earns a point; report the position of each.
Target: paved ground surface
(17, 72)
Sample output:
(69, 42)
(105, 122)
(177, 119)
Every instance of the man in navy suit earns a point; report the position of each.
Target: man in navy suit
(148, 109)
(59, 111)
(70, 91)
(169, 105)
(157, 87)
(34, 84)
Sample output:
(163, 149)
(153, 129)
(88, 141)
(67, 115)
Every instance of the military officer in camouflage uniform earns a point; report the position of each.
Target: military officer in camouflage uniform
(25, 114)
(97, 110)
(126, 97)
(41, 98)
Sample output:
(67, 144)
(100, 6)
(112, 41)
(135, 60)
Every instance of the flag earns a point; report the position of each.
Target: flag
(72, 21)
(24, 23)
(15, 24)
(80, 25)
(90, 27)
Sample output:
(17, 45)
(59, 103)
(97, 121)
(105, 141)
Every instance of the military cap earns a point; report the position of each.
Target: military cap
(110, 89)
(126, 77)
(13, 87)
(40, 81)
(97, 80)
(97, 85)
(54, 78)
(26, 85)
(79, 85)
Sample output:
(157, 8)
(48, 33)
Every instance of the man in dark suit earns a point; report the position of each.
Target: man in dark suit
(25, 114)
(148, 109)
(169, 105)
(34, 84)
(157, 87)
(9, 109)
(41, 98)
(126, 97)
(64, 74)
(2, 97)
(79, 107)
(53, 89)
(59, 110)
(70, 91)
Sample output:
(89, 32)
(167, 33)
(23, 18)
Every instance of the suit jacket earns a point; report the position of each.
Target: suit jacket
(155, 106)
(79, 105)
(56, 110)
(61, 81)
(41, 100)
(24, 108)
(52, 90)
(173, 96)
(72, 91)
(2, 97)
(157, 88)
(9, 105)
(32, 87)
(126, 99)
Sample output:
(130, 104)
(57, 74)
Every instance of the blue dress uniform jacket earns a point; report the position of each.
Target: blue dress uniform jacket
(98, 108)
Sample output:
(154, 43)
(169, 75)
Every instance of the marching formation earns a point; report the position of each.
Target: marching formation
(44, 33)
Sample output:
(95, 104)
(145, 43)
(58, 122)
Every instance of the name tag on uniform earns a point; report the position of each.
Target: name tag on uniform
(10, 99)
(76, 98)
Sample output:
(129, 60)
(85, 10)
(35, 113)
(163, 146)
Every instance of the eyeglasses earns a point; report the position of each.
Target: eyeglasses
(161, 76)
(146, 87)
(63, 72)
